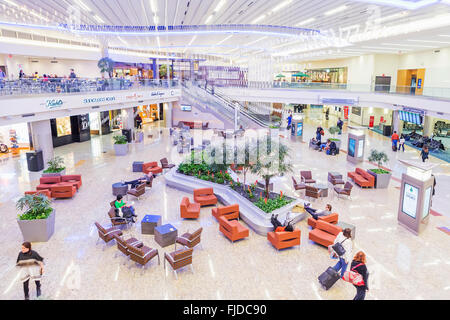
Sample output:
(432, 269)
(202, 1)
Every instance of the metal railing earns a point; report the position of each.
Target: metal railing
(434, 92)
(26, 86)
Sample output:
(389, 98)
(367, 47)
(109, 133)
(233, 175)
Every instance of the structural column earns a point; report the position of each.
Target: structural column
(155, 69)
(428, 126)
(396, 122)
(41, 135)
(128, 119)
(168, 114)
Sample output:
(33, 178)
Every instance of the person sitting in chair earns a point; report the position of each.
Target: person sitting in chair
(147, 179)
(287, 226)
(127, 210)
(325, 146)
(318, 213)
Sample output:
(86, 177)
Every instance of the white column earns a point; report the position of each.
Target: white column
(168, 114)
(395, 121)
(236, 116)
(428, 126)
(41, 134)
(128, 119)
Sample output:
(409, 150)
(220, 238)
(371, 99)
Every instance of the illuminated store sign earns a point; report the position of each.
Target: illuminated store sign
(53, 103)
(100, 99)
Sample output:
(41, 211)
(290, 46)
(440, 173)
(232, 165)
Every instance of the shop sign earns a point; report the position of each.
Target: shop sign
(99, 99)
(53, 103)
(157, 93)
(134, 96)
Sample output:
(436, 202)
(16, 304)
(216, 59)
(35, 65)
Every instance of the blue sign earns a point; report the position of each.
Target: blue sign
(351, 147)
(299, 129)
(54, 103)
(419, 84)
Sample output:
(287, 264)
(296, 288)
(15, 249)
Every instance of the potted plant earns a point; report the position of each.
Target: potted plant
(120, 145)
(106, 65)
(382, 177)
(333, 131)
(55, 167)
(37, 220)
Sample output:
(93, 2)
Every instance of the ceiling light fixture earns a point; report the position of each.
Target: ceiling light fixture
(153, 6)
(429, 41)
(336, 10)
(83, 5)
(11, 3)
(209, 19)
(306, 22)
(259, 18)
(392, 17)
(281, 5)
(220, 42)
(99, 20)
(405, 45)
(220, 5)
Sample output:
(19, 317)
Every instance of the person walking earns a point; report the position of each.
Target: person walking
(32, 267)
(289, 120)
(340, 124)
(359, 265)
(401, 144)
(345, 239)
(138, 121)
(72, 74)
(424, 153)
(394, 139)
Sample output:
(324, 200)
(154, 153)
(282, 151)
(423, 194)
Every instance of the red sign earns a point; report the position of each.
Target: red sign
(381, 119)
(346, 112)
(371, 121)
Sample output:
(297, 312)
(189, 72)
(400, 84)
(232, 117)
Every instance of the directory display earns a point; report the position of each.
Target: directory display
(186, 107)
(426, 203)
(351, 147)
(299, 129)
(410, 197)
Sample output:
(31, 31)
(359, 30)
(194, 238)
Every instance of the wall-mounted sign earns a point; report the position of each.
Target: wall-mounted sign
(333, 101)
(299, 129)
(99, 99)
(53, 103)
(157, 93)
(419, 84)
(410, 197)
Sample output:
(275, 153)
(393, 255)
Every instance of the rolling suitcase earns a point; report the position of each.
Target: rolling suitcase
(394, 148)
(329, 278)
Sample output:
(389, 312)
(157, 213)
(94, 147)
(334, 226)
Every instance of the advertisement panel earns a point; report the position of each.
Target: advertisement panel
(351, 147)
(410, 198)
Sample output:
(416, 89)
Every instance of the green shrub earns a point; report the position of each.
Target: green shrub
(120, 139)
(272, 204)
(379, 157)
(55, 165)
(379, 171)
(34, 206)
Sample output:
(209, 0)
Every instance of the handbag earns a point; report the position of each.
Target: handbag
(339, 248)
(353, 277)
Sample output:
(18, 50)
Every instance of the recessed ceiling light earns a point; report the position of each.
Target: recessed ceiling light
(259, 18)
(429, 41)
(306, 22)
(336, 10)
(405, 45)
(100, 20)
(83, 5)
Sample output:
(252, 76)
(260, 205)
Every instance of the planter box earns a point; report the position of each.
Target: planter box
(121, 149)
(62, 173)
(381, 180)
(338, 143)
(37, 230)
(139, 137)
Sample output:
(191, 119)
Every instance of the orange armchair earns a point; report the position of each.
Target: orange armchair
(325, 233)
(232, 229)
(63, 191)
(151, 167)
(75, 179)
(284, 239)
(362, 178)
(45, 183)
(189, 210)
(231, 212)
(205, 196)
(331, 218)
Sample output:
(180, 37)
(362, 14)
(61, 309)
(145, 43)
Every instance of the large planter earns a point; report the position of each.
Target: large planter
(338, 143)
(121, 149)
(381, 179)
(57, 174)
(139, 137)
(39, 230)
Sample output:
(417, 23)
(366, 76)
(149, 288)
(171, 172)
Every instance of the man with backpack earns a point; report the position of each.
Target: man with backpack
(394, 139)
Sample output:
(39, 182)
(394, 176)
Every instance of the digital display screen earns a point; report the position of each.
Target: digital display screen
(63, 127)
(186, 107)
(360, 148)
(426, 203)
(411, 117)
(299, 129)
(351, 147)
(410, 198)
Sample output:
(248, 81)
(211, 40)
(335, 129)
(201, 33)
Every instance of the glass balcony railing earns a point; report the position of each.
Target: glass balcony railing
(434, 92)
(66, 85)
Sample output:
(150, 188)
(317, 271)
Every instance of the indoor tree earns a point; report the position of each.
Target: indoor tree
(246, 150)
(272, 160)
(106, 65)
(378, 157)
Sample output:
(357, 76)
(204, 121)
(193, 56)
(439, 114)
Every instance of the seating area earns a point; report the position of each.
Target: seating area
(205, 197)
(284, 239)
(231, 228)
(227, 211)
(346, 190)
(324, 233)
(189, 210)
(151, 167)
(59, 187)
(331, 218)
(306, 177)
(362, 178)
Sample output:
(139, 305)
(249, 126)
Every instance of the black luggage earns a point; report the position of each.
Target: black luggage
(329, 278)
(394, 148)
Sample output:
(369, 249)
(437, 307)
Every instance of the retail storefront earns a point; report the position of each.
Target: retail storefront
(99, 123)
(328, 75)
(71, 129)
(149, 113)
(16, 137)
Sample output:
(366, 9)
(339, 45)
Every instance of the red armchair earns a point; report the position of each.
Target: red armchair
(151, 167)
(45, 192)
(189, 210)
(284, 239)
(362, 178)
(228, 211)
(205, 196)
(331, 218)
(63, 191)
(324, 233)
(232, 229)
(75, 179)
(45, 183)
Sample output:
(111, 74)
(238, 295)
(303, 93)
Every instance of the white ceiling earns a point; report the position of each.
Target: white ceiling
(293, 13)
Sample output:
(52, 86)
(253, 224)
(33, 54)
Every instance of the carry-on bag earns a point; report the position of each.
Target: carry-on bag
(329, 278)
(353, 277)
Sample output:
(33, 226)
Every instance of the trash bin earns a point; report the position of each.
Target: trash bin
(35, 161)
(127, 133)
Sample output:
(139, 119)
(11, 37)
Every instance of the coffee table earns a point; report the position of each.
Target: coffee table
(323, 189)
(165, 235)
(119, 188)
(345, 225)
(149, 223)
(137, 166)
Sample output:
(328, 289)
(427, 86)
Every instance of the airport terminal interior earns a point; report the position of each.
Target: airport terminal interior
(225, 150)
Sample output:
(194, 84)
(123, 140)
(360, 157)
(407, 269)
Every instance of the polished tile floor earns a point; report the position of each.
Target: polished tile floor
(402, 265)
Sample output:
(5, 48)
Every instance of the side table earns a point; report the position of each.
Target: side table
(119, 188)
(149, 223)
(165, 235)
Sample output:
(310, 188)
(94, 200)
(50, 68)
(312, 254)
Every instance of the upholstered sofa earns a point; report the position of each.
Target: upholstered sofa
(189, 210)
(46, 193)
(151, 167)
(362, 178)
(228, 211)
(284, 239)
(324, 233)
(45, 183)
(75, 179)
(331, 218)
(205, 196)
(232, 229)
(63, 191)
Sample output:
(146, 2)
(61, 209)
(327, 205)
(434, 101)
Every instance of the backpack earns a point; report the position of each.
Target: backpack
(353, 277)
(339, 248)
